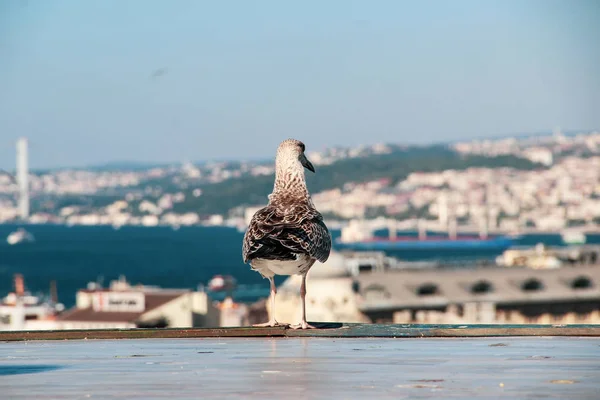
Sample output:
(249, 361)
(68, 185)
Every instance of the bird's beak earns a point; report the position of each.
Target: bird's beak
(306, 164)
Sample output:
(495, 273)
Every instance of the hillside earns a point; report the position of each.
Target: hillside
(221, 197)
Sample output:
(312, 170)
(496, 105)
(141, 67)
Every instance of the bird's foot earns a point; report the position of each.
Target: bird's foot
(302, 325)
(271, 323)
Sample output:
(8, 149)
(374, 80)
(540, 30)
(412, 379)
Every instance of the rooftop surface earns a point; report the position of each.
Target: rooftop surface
(562, 364)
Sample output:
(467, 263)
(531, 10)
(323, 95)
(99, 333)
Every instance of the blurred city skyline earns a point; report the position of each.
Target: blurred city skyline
(90, 83)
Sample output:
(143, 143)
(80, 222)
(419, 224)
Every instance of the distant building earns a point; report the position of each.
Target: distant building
(539, 155)
(22, 311)
(125, 306)
(355, 287)
(330, 293)
(482, 295)
(232, 313)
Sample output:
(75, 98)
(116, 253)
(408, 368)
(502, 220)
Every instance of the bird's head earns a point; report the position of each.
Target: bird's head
(291, 151)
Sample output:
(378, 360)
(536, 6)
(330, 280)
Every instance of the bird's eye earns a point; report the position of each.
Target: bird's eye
(302, 147)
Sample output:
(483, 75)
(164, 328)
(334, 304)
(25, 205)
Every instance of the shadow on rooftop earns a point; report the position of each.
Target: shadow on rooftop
(6, 370)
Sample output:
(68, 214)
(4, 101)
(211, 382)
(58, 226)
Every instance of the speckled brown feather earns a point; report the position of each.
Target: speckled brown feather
(298, 229)
(290, 224)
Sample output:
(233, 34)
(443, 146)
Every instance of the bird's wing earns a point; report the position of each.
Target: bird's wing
(276, 233)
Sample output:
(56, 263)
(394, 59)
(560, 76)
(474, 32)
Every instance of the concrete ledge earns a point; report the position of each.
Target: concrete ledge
(323, 330)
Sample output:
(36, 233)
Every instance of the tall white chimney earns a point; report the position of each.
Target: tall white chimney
(23, 178)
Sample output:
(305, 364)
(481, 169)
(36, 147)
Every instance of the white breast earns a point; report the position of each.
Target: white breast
(276, 267)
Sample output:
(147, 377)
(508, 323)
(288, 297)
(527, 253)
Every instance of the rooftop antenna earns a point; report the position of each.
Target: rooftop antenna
(53, 292)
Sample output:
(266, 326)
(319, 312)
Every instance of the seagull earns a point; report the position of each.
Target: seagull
(288, 235)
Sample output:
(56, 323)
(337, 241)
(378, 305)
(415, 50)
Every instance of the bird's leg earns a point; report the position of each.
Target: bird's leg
(303, 324)
(272, 321)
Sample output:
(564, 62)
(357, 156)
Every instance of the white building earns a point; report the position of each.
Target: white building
(21, 311)
(124, 306)
(330, 295)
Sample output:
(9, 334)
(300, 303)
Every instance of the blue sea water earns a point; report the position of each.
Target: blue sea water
(74, 256)
(184, 258)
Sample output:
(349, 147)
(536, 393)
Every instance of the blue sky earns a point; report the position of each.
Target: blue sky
(98, 81)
